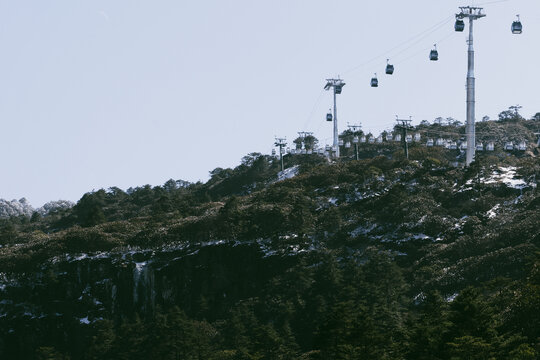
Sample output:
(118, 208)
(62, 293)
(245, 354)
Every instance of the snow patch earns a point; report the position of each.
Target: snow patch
(492, 212)
(139, 266)
(504, 175)
(362, 230)
(288, 173)
(333, 201)
(81, 257)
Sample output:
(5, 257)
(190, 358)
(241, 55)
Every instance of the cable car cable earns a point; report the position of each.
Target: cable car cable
(492, 2)
(314, 108)
(425, 49)
(397, 63)
(430, 30)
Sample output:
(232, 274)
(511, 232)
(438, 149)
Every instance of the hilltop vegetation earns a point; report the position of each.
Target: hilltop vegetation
(379, 258)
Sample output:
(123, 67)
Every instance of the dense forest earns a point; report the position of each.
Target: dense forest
(377, 258)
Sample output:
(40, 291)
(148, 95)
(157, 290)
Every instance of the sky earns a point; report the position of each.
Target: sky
(101, 93)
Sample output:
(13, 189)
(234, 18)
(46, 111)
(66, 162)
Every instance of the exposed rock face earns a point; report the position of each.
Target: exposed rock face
(118, 284)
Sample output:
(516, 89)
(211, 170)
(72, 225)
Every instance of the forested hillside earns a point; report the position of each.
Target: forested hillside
(376, 258)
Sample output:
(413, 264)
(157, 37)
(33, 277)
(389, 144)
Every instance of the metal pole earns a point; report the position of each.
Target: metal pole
(280, 142)
(336, 143)
(404, 125)
(405, 145)
(356, 151)
(471, 138)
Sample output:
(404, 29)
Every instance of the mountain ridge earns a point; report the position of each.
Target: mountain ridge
(382, 258)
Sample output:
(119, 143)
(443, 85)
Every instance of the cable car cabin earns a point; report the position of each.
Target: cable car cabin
(459, 25)
(363, 139)
(371, 140)
(452, 145)
(355, 139)
(479, 147)
(374, 82)
(397, 137)
(379, 139)
(516, 26)
(389, 68)
(417, 137)
(463, 145)
(388, 137)
(273, 152)
(522, 146)
(337, 89)
(439, 142)
(509, 146)
(340, 142)
(347, 144)
(309, 151)
(490, 146)
(429, 143)
(434, 54)
(408, 138)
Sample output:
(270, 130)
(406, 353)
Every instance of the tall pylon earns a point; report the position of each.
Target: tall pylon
(280, 142)
(404, 125)
(472, 13)
(337, 85)
(355, 128)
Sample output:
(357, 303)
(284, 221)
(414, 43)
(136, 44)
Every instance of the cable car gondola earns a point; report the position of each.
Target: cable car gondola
(389, 68)
(516, 26)
(374, 81)
(329, 116)
(459, 25)
(434, 54)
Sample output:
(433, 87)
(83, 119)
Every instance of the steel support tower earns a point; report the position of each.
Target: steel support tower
(355, 129)
(336, 85)
(280, 142)
(404, 125)
(472, 13)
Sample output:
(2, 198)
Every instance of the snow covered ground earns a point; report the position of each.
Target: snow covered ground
(288, 173)
(504, 175)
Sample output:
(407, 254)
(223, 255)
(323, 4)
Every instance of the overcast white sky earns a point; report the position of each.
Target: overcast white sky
(104, 93)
